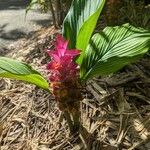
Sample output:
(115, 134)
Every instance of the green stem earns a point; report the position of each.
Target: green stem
(73, 120)
(69, 121)
(76, 120)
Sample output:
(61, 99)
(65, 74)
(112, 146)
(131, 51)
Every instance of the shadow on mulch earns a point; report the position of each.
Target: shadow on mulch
(13, 4)
(17, 36)
(12, 35)
(45, 23)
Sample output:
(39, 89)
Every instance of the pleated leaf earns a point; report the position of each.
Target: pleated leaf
(14, 69)
(112, 49)
(80, 22)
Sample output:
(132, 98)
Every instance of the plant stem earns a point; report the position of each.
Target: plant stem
(73, 120)
(76, 120)
(69, 121)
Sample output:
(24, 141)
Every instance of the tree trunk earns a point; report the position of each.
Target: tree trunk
(53, 14)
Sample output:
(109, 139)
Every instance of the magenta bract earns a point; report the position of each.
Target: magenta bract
(62, 66)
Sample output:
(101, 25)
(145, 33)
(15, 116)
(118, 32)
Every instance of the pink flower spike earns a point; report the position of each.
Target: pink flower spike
(54, 55)
(72, 52)
(61, 45)
(62, 67)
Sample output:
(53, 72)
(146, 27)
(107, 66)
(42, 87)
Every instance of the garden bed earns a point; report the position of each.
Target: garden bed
(115, 109)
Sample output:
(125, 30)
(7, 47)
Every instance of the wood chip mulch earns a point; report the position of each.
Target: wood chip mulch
(115, 109)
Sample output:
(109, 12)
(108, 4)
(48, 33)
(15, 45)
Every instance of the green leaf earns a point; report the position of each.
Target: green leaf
(31, 5)
(80, 22)
(112, 49)
(42, 3)
(14, 69)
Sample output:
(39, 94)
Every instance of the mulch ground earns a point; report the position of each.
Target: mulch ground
(115, 110)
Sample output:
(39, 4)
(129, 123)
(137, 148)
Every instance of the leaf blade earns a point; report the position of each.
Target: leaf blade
(114, 47)
(81, 21)
(14, 69)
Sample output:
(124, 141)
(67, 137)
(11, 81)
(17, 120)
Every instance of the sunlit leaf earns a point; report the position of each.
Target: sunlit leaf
(14, 69)
(114, 48)
(80, 22)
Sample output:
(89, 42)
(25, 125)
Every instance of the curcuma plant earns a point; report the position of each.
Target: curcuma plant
(79, 56)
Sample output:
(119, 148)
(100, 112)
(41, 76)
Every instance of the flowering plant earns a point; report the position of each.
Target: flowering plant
(64, 74)
(79, 55)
